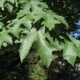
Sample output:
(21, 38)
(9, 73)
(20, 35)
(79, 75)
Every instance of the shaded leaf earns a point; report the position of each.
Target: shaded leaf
(49, 20)
(9, 7)
(76, 44)
(69, 52)
(62, 20)
(55, 43)
(5, 37)
(15, 26)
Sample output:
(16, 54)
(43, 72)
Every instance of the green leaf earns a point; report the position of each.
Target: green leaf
(5, 37)
(11, 1)
(9, 7)
(76, 44)
(62, 20)
(22, 13)
(44, 49)
(4, 44)
(69, 52)
(71, 49)
(33, 5)
(49, 20)
(55, 43)
(15, 28)
(37, 15)
(27, 23)
(2, 3)
(27, 43)
(34, 16)
(1, 25)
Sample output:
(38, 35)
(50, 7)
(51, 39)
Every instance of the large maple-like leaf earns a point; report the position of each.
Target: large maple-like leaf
(71, 49)
(44, 49)
(51, 19)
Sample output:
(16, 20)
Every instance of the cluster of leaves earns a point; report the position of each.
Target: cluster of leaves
(33, 21)
(69, 9)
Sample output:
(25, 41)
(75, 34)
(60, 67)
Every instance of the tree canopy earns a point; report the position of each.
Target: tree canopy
(41, 26)
(20, 20)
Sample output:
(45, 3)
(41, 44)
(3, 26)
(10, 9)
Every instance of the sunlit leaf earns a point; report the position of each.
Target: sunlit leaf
(27, 43)
(49, 20)
(44, 49)
(30, 5)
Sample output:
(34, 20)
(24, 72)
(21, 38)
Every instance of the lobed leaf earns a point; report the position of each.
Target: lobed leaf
(27, 43)
(76, 44)
(30, 5)
(44, 48)
(49, 20)
(62, 20)
(69, 52)
(5, 37)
